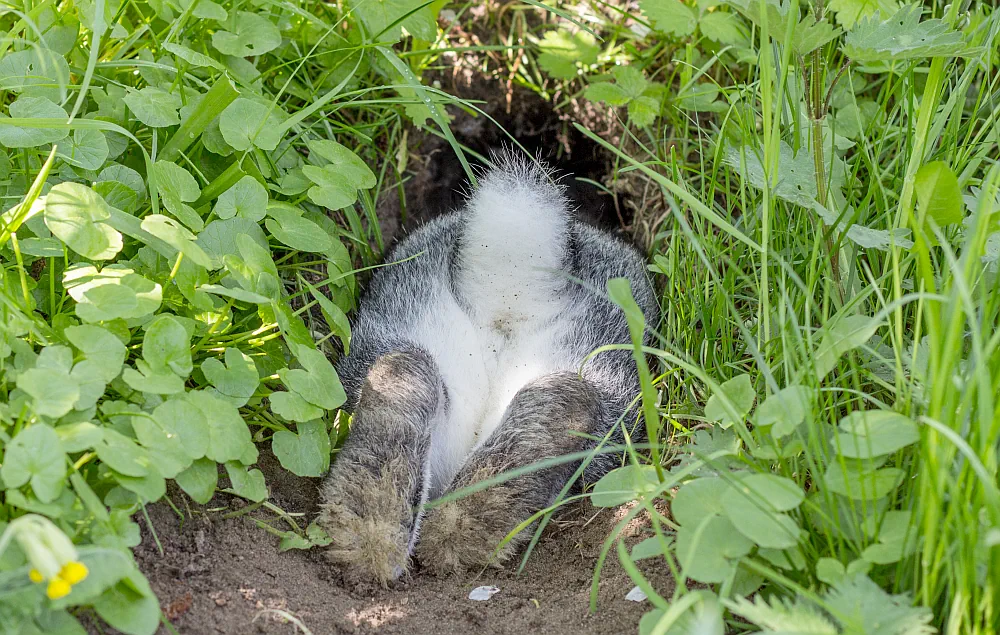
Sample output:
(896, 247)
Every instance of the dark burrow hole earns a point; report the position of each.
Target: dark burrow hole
(437, 182)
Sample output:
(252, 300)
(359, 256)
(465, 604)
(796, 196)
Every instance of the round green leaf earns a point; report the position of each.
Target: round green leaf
(872, 433)
(784, 410)
(200, 480)
(75, 214)
(246, 123)
(32, 108)
(739, 392)
(246, 199)
(306, 453)
(36, 456)
(247, 34)
(87, 149)
(53, 391)
(298, 233)
(154, 107)
(291, 406)
(167, 343)
(698, 499)
(706, 551)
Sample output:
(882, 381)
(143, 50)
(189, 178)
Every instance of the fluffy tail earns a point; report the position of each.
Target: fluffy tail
(514, 239)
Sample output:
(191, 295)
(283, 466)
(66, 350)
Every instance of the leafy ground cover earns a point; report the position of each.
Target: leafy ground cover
(188, 186)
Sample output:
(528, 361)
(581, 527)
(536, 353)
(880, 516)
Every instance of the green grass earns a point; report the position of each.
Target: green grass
(822, 226)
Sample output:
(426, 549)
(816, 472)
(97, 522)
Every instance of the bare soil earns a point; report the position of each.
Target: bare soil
(219, 575)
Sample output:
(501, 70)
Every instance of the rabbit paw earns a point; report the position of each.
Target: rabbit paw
(368, 521)
(466, 533)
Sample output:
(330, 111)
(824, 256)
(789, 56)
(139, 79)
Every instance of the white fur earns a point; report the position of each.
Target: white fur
(501, 332)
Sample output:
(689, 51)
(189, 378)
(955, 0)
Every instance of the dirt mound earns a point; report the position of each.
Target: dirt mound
(216, 575)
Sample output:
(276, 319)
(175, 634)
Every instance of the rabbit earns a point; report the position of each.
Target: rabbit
(466, 361)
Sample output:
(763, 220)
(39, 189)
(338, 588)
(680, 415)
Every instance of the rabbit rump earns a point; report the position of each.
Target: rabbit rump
(466, 363)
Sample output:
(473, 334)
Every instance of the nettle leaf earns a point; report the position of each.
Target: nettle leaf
(808, 34)
(796, 178)
(901, 37)
(248, 484)
(868, 434)
(112, 293)
(32, 108)
(707, 552)
(76, 215)
(246, 199)
(611, 94)
(87, 149)
(848, 12)
(199, 480)
(724, 28)
(35, 456)
(291, 406)
(938, 194)
(561, 50)
(306, 453)
(237, 380)
(154, 107)
(864, 607)
(625, 484)
(177, 236)
(317, 382)
(840, 335)
(784, 410)
(740, 394)
(247, 34)
(98, 345)
(858, 483)
(378, 15)
(289, 227)
(168, 344)
(670, 16)
(246, 123)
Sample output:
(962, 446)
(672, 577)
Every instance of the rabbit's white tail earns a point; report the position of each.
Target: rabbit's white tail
(514, 241)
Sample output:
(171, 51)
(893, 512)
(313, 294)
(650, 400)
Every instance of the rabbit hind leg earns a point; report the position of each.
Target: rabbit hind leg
(538, 423)
(372, 497)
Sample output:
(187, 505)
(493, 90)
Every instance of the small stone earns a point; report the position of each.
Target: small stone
(483, 593)
(636, 595)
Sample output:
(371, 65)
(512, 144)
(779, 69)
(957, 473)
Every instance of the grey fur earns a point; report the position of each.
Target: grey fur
(402, 400)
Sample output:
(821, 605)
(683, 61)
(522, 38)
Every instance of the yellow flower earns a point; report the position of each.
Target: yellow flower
(51, 554)
(58, 588)
(73, 572)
